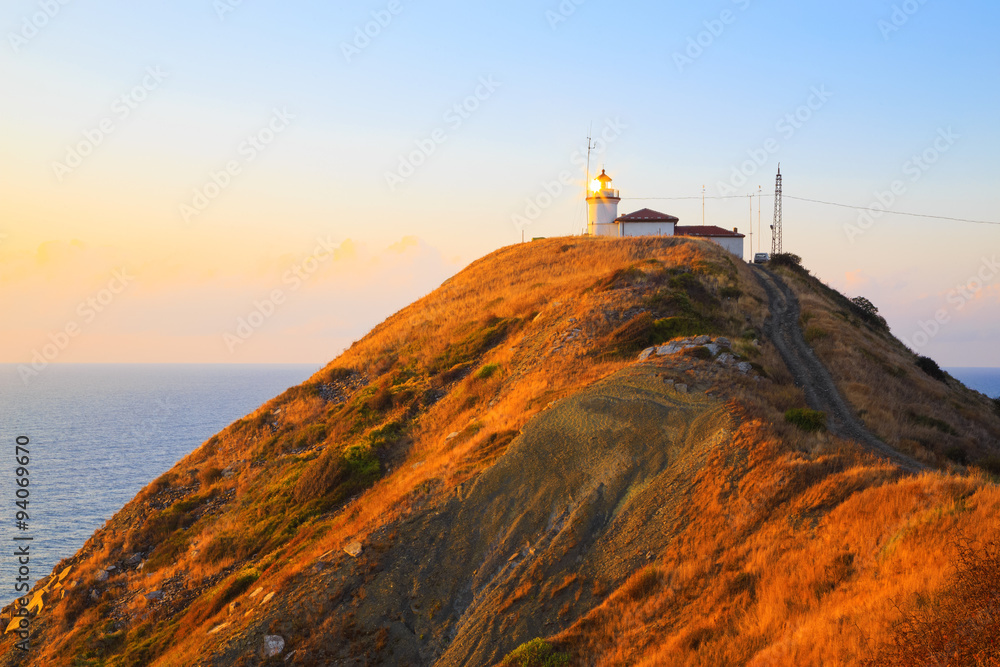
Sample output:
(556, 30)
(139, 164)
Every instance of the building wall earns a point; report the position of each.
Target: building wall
(601, 211)
(647, 228)
(604, 229)
(733, 245)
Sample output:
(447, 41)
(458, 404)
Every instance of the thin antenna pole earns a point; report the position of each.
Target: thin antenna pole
(758, 217)
(750, 199)
(586, 185)
(703, 205)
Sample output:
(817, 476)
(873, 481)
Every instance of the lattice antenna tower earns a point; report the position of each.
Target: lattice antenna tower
(776, 227)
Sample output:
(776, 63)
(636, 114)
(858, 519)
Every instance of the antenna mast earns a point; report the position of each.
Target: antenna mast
(776, 227)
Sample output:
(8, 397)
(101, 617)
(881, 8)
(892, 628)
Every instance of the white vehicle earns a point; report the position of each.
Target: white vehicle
(761, 258)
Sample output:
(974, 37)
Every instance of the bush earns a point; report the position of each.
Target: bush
(808, 420)
(929, 366)
(786, 259)
(996, 405)
(868, 312)
(487, 371)
(209, 475)
(990, 464)
(960, 626)
(536, 653)
(730, 293)
(957, 455)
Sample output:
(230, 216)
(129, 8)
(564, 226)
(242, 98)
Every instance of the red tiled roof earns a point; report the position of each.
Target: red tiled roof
(706, 230)
(647, 215)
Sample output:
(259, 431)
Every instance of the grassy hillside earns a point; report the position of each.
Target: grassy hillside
(505, 472)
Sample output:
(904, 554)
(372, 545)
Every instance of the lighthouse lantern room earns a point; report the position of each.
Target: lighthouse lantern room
(602, 203)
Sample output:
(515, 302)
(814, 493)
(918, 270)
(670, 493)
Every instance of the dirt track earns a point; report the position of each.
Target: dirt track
(782, 328)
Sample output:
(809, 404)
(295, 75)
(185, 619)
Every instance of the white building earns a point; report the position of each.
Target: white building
(602, 208)
(603, 220)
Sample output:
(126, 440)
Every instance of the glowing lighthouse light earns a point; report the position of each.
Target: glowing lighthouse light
(602, 207)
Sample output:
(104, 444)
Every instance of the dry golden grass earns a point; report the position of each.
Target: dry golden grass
(793, 548)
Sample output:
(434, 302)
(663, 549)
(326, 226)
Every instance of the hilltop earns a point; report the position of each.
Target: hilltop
(575, 451)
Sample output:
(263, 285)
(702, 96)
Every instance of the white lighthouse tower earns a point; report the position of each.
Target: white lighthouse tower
(602, 203)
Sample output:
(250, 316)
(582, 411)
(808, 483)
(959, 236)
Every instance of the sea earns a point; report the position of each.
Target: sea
(97, 434)
(984, 380)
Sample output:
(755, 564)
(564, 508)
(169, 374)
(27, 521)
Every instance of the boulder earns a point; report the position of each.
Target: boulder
(713, 348)
(744, 367)
(153, 596)
(647, 353)
(273, 645)
(102, 576)
(702, 340)
(723, 342)
(353, 549)
(725, 358)
(134, 559)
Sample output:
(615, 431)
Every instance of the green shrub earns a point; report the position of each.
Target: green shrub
(815, 333)
(996, 405)
(931, 422)
(990, 464)
(786, 259)
(487, 371)
(929, 366)
(867, 311)
(536, 653)
(700, 352)
(808, 420)
(957, 455)
(730, 293)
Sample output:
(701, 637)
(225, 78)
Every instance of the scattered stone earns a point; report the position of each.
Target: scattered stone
(702, 340)
(682, 388)
(273, 645)
(267, 598)
(725, 358)
(744, 367)
(94, 596)
(664, 350)
(102, 576)
(260, 589)
(218, 628)
(155, 595)
(134, 559)
(452, 436)
(647, 353)
(723, 342)
(353, 549)
(713, 348)
(417, 465)
(318, 567)
(233, 606)
(111, 568)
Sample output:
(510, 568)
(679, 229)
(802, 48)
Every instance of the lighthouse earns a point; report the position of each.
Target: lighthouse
(602, 203)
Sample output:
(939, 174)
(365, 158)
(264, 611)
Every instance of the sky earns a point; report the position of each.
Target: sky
(248, 181)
